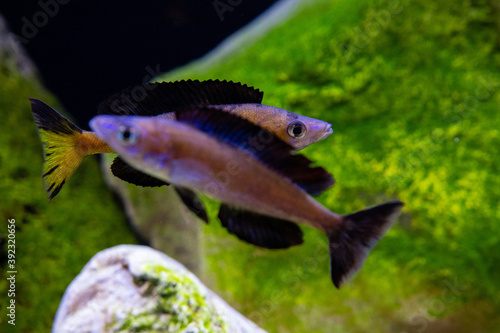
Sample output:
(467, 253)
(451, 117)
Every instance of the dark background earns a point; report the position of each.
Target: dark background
(88, 50)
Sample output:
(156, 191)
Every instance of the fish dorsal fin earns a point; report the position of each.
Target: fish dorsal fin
(152, 99)
(125, 172)
(261, 143)
(260, 230)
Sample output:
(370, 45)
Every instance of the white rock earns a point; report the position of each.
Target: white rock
(131, 286)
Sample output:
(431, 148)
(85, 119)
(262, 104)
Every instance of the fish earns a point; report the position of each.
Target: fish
(65, 144)
(265, 189)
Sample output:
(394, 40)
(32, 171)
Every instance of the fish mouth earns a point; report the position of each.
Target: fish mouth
(328, 131)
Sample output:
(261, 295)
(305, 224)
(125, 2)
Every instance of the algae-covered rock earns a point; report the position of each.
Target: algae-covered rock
(131, 288)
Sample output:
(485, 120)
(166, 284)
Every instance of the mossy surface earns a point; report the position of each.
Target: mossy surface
(55, 239)
(179, 306)
(412, 91)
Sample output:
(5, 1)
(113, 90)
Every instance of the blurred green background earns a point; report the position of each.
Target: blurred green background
(411, 89)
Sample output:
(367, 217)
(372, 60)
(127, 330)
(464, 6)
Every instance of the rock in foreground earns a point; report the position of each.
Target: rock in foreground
(131, 288)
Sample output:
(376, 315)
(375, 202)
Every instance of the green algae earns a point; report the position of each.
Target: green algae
(179, 306)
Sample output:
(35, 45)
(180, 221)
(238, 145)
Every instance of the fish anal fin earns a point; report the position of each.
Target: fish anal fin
(192, 202)
(125, 172)
(260, 230)
(152, 99)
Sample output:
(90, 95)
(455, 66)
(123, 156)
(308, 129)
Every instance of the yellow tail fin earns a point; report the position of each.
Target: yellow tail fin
(60, 140)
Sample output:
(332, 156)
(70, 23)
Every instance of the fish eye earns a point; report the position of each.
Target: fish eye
(297, 129)
(127, 135)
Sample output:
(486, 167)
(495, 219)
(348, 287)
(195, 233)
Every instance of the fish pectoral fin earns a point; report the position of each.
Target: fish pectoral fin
(260, 230)
(125, 172)
(192, 202)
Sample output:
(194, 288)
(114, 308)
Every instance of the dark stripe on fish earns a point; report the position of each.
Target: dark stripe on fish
(57, 189)
(48, 119)
(50, 171)
(51, 186)
(260, 230)
(269, 149)
(153, 99)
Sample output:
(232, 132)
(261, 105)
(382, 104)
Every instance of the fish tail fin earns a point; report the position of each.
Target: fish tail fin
(351, 243)
(60, 140)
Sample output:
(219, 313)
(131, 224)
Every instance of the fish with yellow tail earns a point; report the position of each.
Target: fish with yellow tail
(265, 190)
(65, 145)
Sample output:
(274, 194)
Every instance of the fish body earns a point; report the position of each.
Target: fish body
(186, 157)
(263, 188)
(65, 145)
